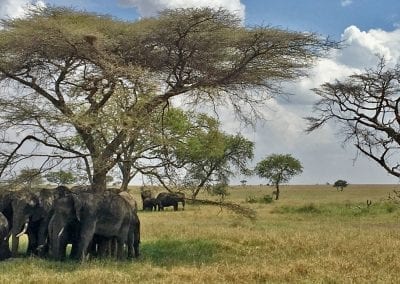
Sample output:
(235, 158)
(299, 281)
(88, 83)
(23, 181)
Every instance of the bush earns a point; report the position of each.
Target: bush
(266, 199)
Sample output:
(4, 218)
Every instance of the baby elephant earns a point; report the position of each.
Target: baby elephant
(4, 234)
(150, 204)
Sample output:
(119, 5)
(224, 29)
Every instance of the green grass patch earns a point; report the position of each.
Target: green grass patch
(167, 252)
(336, 209)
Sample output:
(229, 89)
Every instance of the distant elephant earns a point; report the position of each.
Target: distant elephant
(165, 199)
(146, 194)
(4, 234)
(31, 215)
(85, 216)
(150, 204)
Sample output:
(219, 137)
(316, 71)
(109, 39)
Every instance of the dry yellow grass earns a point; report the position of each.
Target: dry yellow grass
(313, 234)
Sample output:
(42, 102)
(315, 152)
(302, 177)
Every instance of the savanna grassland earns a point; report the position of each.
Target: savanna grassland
(313, 234)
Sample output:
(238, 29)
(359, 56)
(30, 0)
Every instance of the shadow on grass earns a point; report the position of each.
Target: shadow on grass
(179, 252)
(164, 252)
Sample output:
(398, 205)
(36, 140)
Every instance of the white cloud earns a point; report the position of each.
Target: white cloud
(345, 3)
(17, 8)
(321, 152)
(151, 7)
(362, 47)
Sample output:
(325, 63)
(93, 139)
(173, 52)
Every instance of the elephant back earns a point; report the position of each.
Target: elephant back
(130, 199)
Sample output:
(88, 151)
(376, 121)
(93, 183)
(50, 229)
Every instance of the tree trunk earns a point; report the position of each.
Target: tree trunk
(277, 191)
(126, 175)
(99, 181)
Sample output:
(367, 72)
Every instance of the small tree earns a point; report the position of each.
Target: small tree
(278, 169)
(340, 184)
(61, 177)
(243, 182)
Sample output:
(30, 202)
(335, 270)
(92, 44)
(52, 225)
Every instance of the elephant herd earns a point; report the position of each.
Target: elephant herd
(94, 224)
(163, 199)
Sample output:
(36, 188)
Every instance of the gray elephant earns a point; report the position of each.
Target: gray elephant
(6, 198)
(166, 199)
(84, 216)
(150, 204)
(32, 211)
(63, 229)
(146, 195)
(4, 234)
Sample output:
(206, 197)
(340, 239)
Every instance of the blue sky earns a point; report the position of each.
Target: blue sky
(326, 17)
(366, 27)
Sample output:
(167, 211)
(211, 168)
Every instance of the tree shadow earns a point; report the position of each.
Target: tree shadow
(179, 252)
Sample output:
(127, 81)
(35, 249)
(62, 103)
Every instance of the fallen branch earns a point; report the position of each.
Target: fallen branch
(234, 207)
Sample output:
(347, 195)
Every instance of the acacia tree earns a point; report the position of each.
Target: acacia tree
(366, 107)
(29, 177)
(278, 169)
(83, 86)
(61, 177)
(216, 158)
(340, 184)
(190, 151)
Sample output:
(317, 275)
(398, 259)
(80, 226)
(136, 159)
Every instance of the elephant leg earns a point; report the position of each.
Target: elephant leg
(32, 242)
(86, 236)
(120, 248)
(130, 245)
(4, 250)
(43, 244)
(176, 206)
(74, 250)
(136, 241)
(15, 245)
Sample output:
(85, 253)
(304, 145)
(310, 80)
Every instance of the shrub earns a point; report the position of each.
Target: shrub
(266, 199)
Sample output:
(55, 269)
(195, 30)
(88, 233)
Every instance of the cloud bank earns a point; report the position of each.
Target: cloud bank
(151, 7)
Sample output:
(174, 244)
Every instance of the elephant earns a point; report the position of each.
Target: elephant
(130, 199)
(6, 198)
(165, 199)
(150, 204)
(32, 211)
(4, 234)
(84, 217)
(147, 195)
(63, 229)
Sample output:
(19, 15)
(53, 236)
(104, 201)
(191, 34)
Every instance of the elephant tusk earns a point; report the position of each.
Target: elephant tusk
(59, 234)
(23, 230)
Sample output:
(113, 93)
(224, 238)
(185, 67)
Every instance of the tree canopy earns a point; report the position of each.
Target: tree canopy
(84, 87)
(340, 184)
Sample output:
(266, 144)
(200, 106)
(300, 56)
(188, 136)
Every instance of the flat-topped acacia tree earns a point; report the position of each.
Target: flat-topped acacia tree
(80, 85)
